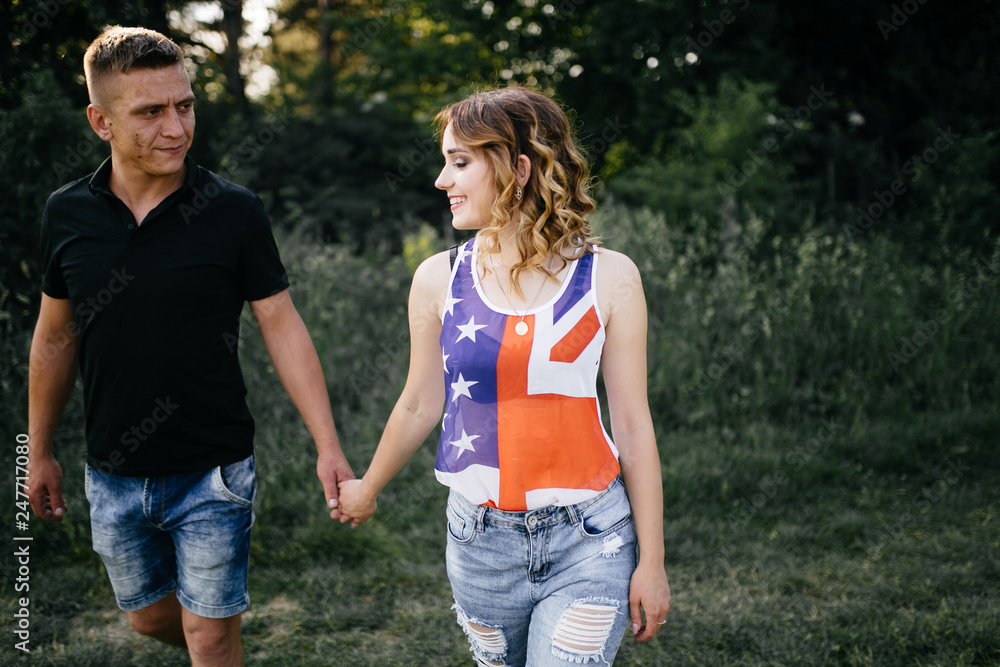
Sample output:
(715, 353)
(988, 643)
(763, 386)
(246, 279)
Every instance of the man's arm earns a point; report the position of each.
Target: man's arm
(298, 367)
(51, 375)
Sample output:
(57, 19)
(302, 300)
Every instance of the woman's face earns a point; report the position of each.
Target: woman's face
(468, 180)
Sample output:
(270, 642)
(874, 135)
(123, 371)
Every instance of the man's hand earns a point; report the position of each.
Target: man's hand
(333, 470)
(45, 489)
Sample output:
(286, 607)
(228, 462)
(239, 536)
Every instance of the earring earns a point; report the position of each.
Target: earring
(517, 193)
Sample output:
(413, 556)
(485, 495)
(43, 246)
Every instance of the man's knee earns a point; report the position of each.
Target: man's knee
(213, 641)
(145, 624)
(160, 620)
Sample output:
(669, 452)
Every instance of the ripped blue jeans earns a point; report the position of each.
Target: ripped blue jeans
(544, 587)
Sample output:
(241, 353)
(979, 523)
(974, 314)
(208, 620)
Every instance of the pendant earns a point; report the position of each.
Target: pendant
(521, 328)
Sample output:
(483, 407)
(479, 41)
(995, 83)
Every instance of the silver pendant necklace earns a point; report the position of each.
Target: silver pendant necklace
(521, 327)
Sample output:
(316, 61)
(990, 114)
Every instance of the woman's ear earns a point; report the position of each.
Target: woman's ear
(523, 169)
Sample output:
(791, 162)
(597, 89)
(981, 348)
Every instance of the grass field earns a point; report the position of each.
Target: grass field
(880, 548)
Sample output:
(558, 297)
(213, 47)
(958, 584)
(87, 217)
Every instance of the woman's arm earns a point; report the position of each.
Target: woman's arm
(624, 368)
(420, 405)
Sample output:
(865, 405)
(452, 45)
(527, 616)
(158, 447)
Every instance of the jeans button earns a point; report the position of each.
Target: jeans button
(532, 521)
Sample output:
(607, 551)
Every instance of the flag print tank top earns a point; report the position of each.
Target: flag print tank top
(522, 426)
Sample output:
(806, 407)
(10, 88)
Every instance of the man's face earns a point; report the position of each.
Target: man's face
(150, 118)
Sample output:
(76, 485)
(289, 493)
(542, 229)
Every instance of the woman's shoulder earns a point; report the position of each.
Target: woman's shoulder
(618, 281)
(615, 265)
(430, 280)
(435, 269)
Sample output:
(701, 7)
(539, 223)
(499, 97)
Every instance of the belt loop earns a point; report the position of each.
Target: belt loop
(481, 518)
(574, 516)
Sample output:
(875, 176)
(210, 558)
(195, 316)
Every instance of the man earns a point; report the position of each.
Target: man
(147, 265)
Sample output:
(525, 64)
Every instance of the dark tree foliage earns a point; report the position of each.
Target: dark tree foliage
(679, 103)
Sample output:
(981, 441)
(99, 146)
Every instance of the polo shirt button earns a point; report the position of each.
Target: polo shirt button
(131, 226)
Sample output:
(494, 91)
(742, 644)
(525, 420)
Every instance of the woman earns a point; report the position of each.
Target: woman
(541, 533)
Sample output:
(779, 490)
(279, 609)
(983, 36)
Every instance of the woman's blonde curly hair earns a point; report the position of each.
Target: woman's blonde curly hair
(502, 124)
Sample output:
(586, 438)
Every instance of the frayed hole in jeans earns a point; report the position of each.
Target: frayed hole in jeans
(583, 630)
(488, 643)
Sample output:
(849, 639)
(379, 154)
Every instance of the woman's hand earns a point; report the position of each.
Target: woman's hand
(357, 503)
(650, 591)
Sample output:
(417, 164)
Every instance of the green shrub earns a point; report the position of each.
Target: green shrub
(749, 325)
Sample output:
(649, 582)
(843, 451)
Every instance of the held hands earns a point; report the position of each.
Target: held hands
(650, 592)
(357, 502)
(332, 470)
(348, 499)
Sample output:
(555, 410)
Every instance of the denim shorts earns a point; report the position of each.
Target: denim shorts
(186, 532)
(543, 587)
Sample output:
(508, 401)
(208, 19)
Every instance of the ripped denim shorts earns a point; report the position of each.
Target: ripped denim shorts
(543, 587)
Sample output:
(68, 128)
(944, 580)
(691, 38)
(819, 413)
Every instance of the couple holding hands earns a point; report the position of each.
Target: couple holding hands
(554, 526)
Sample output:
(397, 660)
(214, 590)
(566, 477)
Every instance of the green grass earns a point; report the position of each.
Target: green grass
(881, 549)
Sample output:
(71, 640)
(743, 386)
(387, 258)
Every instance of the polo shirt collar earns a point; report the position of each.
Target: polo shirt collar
(101, 180)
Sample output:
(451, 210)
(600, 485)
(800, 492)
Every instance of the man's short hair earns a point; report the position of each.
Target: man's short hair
(118, 50)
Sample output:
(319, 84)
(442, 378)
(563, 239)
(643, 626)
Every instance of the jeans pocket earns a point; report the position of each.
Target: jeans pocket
(611, 514)
(238, 481)
(598, 526)
(461, 530)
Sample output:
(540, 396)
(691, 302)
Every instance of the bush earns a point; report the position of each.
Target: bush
(743, 328)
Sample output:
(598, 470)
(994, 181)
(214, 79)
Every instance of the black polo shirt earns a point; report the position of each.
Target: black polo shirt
(157, 309)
